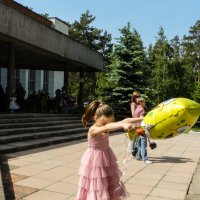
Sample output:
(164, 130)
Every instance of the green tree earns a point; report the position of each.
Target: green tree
(176, 71)
(196, 93)
(160, 56)
(95, 38)
(191, 49)
(126, 71)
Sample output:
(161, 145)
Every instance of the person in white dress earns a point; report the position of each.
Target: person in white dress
(13, 104)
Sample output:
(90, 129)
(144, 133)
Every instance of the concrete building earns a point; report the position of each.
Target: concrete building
(38, 52)
(35, 80)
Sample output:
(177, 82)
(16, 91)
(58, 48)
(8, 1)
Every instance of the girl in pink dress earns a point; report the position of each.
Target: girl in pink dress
(99, 172)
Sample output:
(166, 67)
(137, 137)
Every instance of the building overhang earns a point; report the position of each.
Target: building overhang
(39, 46)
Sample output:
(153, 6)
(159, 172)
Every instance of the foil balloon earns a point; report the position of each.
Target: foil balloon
(171, 118)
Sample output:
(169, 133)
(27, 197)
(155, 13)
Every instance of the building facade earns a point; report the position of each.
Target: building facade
(35, 80)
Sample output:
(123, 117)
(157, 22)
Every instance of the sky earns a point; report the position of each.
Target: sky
(146, 16)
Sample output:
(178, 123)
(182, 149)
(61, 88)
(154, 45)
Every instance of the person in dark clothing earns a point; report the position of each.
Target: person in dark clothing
(58, 99)
(20, 93)
(2, 99)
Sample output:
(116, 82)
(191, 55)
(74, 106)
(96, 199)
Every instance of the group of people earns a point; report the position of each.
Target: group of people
(138, 146)
(63, 100)
(100, 176)
(39, 101)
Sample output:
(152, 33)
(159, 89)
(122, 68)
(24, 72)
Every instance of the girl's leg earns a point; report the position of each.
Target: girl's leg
(144, 148)
(132, 144)
(138, 149)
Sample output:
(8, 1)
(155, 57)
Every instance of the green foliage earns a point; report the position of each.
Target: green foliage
(159, 61)
(97, 39)
(172, 71)
(196, 93)
(45, 15)
(170, 68)
(191, 49)
(125, 73)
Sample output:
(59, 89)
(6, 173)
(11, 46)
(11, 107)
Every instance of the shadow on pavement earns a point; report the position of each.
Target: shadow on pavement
(168, 159)
(8, 185)
(7, 180)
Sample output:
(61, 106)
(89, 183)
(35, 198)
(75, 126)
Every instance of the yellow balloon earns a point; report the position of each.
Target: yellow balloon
(171, 118)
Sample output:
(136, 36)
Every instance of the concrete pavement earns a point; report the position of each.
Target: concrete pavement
(51, 173)
(194, 190)
(2, 197)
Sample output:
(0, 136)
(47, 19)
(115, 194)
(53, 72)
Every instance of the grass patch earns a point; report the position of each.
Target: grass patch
(196, 129)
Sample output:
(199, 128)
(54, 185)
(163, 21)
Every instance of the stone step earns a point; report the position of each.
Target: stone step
(35, 115)
(42, 142)
(38, 124)
(25, 145)
(37, 119)
(19, 131)
(7, 139)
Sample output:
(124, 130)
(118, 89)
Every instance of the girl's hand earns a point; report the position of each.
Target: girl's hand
(127, 126)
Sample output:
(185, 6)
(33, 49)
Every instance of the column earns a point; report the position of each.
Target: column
(81, 91)
(92, 85)
(4, 78)
(11, 69)
(56, 79)
(39, 80)
(51, 84)
(66, 80)
(24, 80)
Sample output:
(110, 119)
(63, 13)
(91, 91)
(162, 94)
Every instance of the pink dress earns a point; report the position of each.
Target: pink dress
(99, 172)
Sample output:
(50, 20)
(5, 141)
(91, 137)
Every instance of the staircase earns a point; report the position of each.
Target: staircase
(20, 132)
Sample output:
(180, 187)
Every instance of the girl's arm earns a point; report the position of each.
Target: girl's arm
(133, 120)
(95, 130)
(133, 105)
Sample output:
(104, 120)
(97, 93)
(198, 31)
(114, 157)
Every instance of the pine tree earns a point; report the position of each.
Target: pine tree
(159, 61)
(95, 38)
(191, 47)
(126, 71)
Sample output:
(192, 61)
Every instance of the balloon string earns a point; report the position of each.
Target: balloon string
(126, 156)
(125, 164)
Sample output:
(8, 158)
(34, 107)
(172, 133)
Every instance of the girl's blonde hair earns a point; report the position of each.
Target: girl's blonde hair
(134, 97)
(140, 99)
(96, 108)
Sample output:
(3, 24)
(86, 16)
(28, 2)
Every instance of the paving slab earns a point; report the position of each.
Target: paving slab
(194, 190)
(52, 172)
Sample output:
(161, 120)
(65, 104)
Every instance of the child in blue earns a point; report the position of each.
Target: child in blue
(142, 141)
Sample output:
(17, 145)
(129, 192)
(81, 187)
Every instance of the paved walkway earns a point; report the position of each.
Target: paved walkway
(2, 197)
(51, 173)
